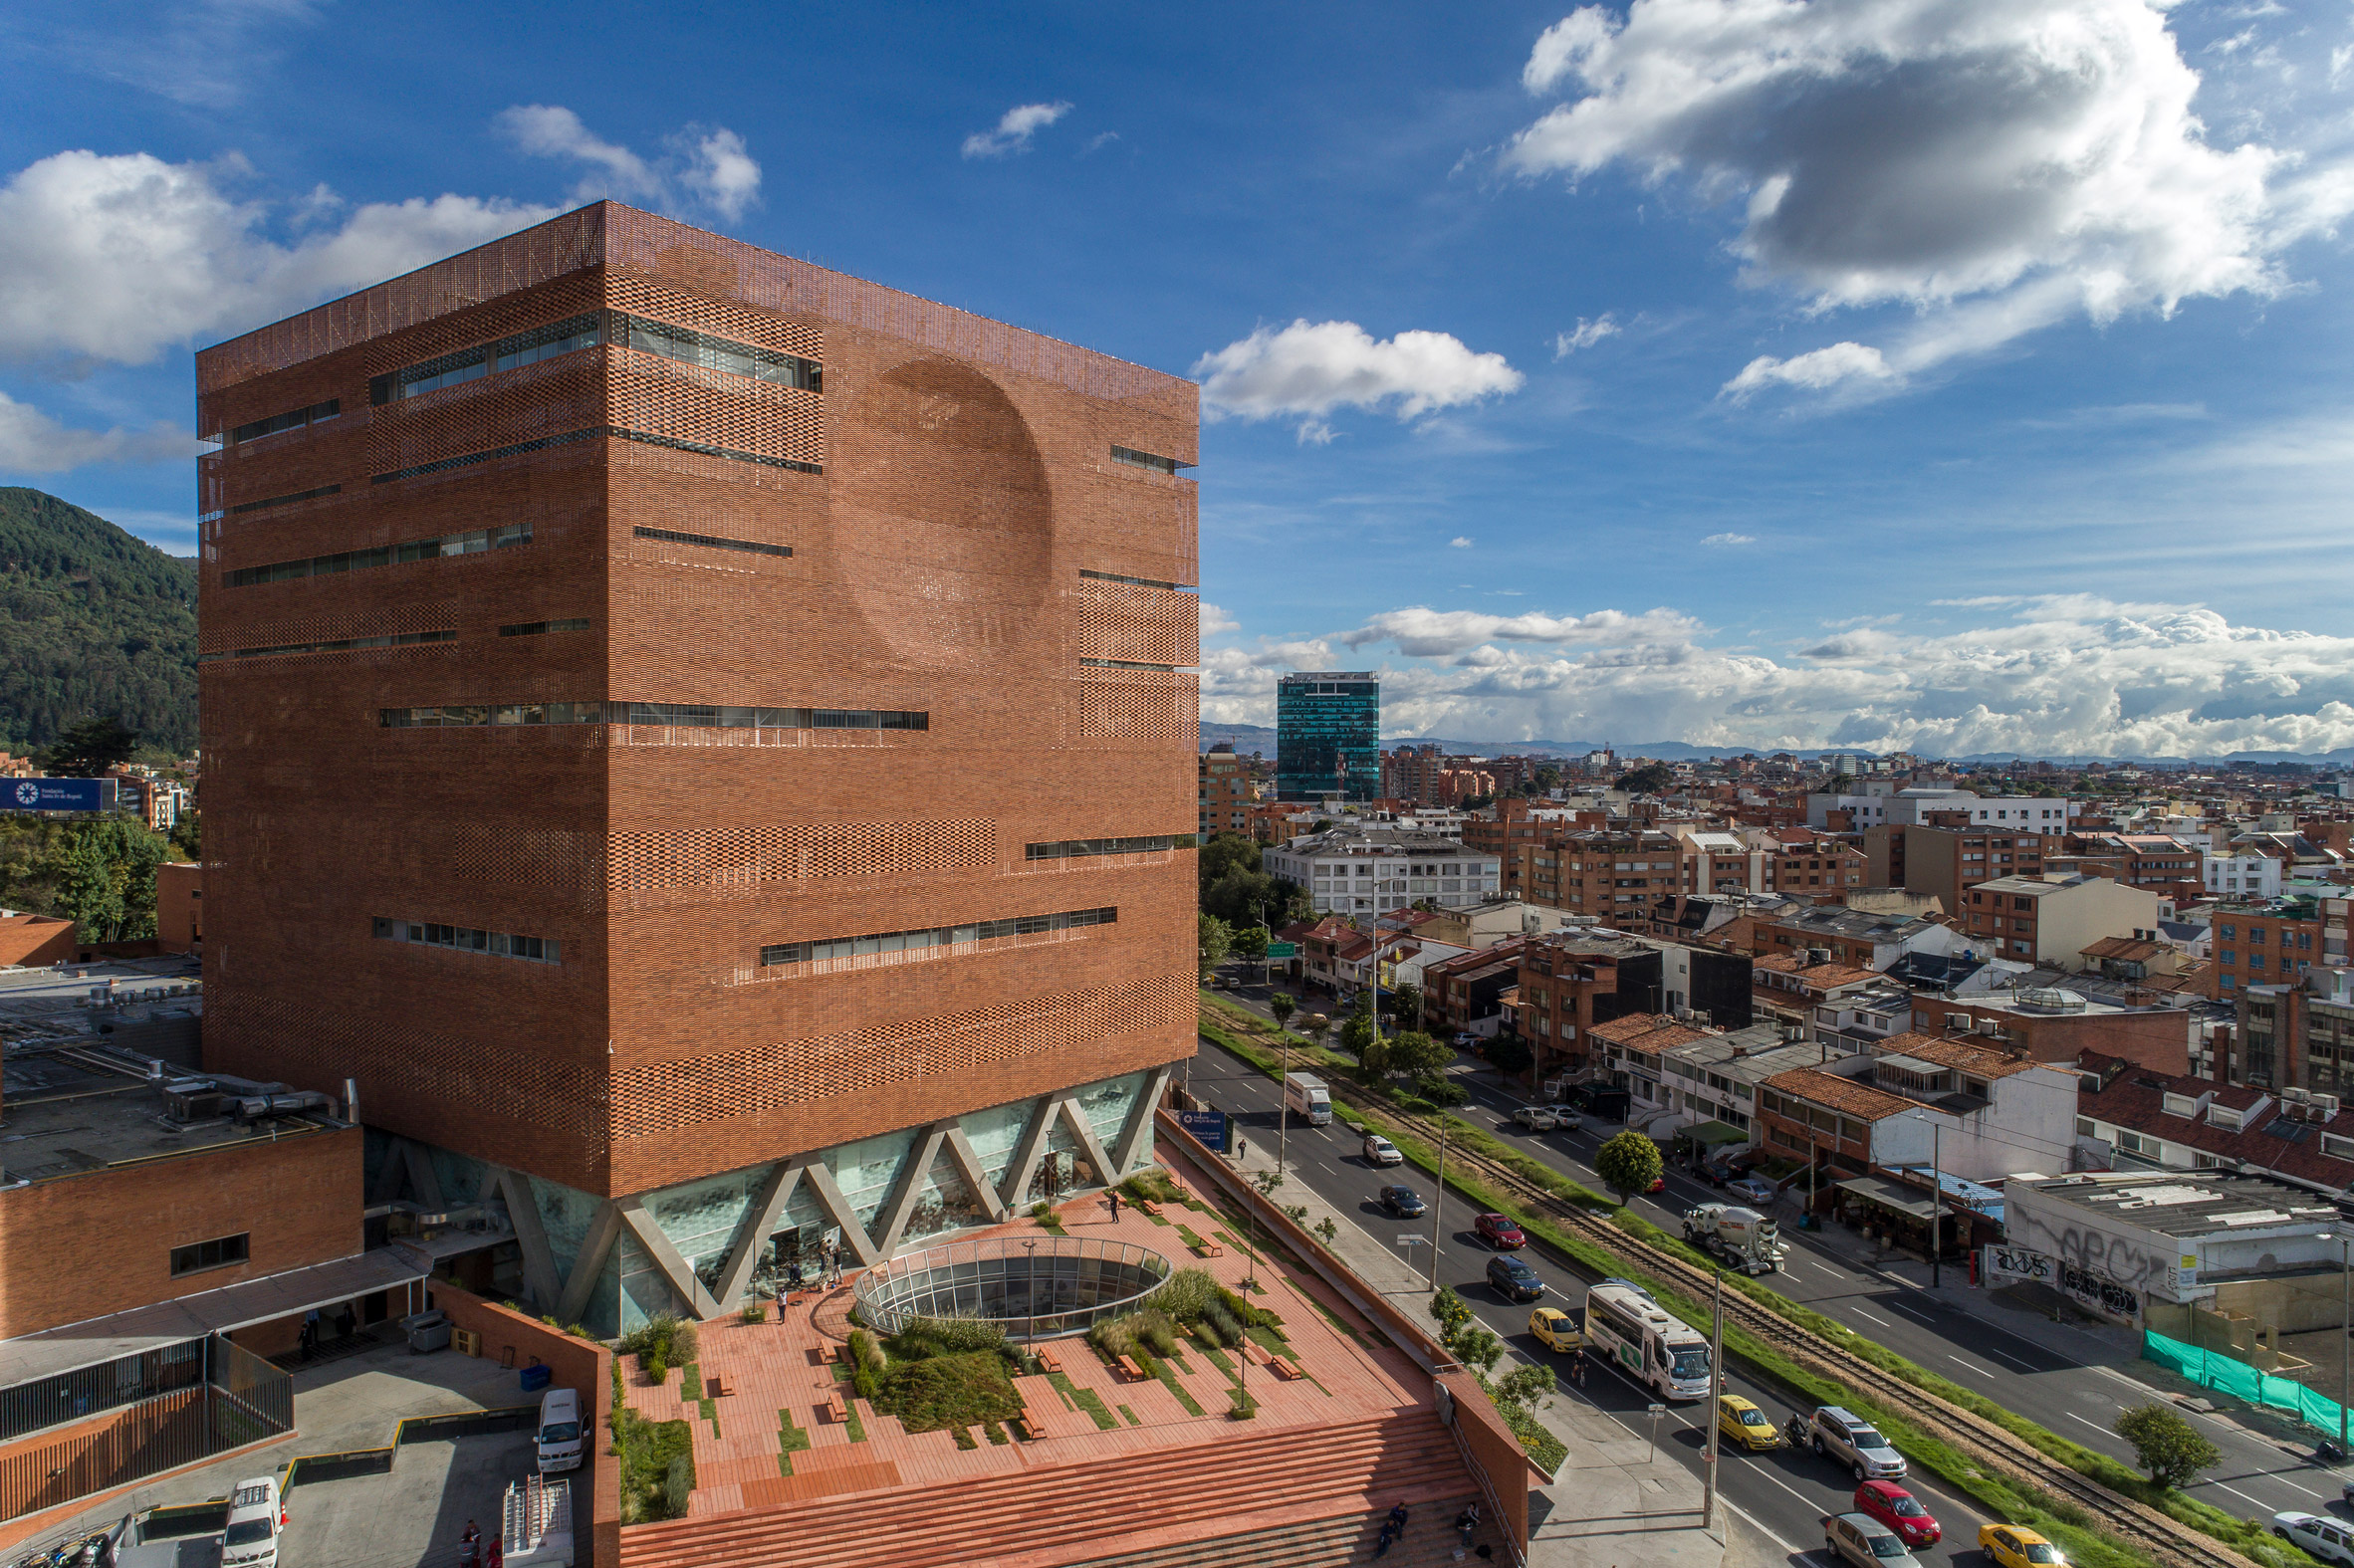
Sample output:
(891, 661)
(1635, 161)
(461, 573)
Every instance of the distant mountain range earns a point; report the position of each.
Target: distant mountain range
(1249, 737)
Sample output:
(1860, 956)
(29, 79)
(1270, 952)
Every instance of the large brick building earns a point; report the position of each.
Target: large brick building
(702, 742)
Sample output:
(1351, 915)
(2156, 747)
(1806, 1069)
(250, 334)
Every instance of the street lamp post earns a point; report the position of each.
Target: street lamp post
(1937, 1199)
(1438, 1199)
(1030, 1289)
(1708, 1472)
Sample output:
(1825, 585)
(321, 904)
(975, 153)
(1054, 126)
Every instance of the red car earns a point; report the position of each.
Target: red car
(1498, 1231)
(1900, 1510)
(1659, 1184)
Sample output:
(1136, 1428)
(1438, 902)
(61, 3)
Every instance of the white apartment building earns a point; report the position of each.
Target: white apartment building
(2240, 874)
(1369, 872)
(2034, 813)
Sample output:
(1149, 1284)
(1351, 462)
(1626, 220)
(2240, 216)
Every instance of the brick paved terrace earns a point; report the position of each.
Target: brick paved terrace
(1117, 1466)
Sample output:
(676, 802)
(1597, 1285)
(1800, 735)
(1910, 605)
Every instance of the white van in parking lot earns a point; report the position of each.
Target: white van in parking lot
(561, 1443)
(255, 1519)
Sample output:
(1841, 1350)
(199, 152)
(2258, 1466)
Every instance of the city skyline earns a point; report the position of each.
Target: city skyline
(1572, 397)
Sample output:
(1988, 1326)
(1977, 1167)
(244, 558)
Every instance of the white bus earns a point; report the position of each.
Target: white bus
(1635, 1334)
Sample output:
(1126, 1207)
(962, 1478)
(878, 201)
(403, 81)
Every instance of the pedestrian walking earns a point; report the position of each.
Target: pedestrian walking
(470, 1546)
(1115, 1196)
(1577, 1370)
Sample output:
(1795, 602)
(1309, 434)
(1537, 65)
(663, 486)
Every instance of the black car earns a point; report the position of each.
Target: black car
(1403, 1201)
(1514, 1280)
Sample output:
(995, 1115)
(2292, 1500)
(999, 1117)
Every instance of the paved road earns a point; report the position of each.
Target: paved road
(2071, 1394)
(1784, 1494)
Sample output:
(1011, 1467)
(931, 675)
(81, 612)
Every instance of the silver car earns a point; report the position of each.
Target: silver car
(1861, 1541)
(1850, 1439)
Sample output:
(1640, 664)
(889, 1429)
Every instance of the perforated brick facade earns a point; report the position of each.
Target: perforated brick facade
(941, 491)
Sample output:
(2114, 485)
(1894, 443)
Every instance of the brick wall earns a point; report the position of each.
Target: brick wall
(82, 1246)
(935, 568)
(179, 906)
(32, 939)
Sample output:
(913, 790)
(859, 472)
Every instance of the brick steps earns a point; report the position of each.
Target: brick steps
(1140, 1501)
(1318, 1543)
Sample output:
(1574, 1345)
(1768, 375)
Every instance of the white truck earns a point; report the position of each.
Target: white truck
(1305, 1096)
(1742, 1237)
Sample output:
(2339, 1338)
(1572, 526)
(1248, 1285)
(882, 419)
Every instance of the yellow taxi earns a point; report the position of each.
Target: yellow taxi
(1554, 1331)
(1740, 1421)
(2017, 1546)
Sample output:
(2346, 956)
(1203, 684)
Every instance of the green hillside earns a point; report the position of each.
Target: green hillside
(92, 621)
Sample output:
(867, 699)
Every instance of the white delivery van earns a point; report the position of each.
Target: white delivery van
(256, 1516)
(560, 1443)
(1305, 1096)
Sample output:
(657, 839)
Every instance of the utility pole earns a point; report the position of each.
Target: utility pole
(1284, 1105)
(2345, 1328)
(1438, 1199)
(1937, 1204)
(1708, 1468)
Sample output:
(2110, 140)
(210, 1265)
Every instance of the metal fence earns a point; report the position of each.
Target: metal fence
(137, 1416)
(1042, 1289)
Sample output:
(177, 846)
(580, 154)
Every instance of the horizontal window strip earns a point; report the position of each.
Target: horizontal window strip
(616, 431)
(1135, 459)
(689, 346)
(688, 716)
(1132, 664)
(472, 542)
(1071, 848)
(294, 419)
(289, 500)
(466, 939)
(402, 641)
(637, 333)
(472, 458)
(712, 541)
(1140, 582)
(470, 365)
(932, 937)
(534, 628)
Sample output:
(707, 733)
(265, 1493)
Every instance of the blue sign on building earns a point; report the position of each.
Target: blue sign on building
(53, 795)
(1208, 1126)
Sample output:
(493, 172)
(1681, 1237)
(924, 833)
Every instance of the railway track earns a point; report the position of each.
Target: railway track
(1991, 1446)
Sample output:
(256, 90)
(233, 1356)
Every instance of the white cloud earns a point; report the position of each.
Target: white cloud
(1311, 368)
(1014, 129)
(116, 257)
(1459, 542)
(1731, 539)
(2054, 675)
(1214, 621)
(1998, 165)
(31, 442)
(1421, 632)
(710, 167)
(723, 174)
(1815, 371)
(1584, 334)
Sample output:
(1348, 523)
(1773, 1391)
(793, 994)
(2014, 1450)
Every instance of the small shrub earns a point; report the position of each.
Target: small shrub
(657, 1369)
(1153, 1186)
(1221, 1327)
(866, 1363)
(682, 1345)
(1185, 1295)
(949, 1391)
(1155, 1329)
(678, 1484)
(1436, 1090)
(949, 1335)
(1245, 1405)
(754, 1312)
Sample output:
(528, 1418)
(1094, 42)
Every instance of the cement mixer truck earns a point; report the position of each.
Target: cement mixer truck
(1742, 1238)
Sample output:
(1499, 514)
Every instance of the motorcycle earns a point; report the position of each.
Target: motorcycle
(1793, 1432)
(2328, 1452)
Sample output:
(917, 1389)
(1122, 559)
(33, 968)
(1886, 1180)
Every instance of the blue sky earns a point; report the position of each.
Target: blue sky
(1954, 375)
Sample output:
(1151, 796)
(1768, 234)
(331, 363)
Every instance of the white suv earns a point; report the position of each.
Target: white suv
(1857, 1443)
(255, 1519)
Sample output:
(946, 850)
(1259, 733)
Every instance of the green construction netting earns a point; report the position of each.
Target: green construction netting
(2214, 1369)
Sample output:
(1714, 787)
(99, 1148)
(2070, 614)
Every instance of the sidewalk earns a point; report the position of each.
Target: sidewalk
(1613, 1504)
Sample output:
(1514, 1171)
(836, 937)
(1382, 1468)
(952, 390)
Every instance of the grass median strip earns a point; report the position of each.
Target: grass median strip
(2074, 1527)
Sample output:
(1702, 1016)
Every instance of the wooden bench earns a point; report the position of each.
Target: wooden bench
(1284, 1370)
(1256, 1352)
(1023, 1429)
(834, 1351)
(1048, 1361)
(1148, 1206)
(1135, 1372)
(836, 1411)
(1209, 1249)
(714, 1388)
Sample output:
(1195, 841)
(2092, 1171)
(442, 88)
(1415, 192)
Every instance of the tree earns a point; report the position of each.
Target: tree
(105, 874)
(2172, 1449)
(1250, 942)
(90, 892)
(1628, 1164)
(1356, 1035)
(1407, 1003)
(1240, 898)
(188, 836)
(1523, 1388)
(1510, 1055)
(1451, 1312)
(1225, 853)
(1215, 941)
(1415, 1053)
(1650, 778)
(92, 747)
(1282, 1007)
(1373, 1062)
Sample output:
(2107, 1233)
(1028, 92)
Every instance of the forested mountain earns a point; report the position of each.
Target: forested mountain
(92, 621)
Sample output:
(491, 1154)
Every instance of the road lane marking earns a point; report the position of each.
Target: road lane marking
(2013, 1360)
(1972, 1366)
(1915, 1316)
(2097, 1427)
(1753, 1523)
(2236, 1493)
(2294, 1487)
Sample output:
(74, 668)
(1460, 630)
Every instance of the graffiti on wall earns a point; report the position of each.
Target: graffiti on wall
(2009, 1265)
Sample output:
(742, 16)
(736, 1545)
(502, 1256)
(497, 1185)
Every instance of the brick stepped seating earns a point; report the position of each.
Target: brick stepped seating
(1319, 1543)
(1135, 1502)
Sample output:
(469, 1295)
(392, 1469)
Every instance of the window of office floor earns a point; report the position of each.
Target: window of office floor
(932, 937)
(689, 346)
(219, 1253)
(468, 938)
(1071, 848)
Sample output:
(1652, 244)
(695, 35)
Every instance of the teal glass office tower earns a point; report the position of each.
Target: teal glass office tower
(1328, 735)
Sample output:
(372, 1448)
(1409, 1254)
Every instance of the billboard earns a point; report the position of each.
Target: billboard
(1208, 1126)
(57, 795)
